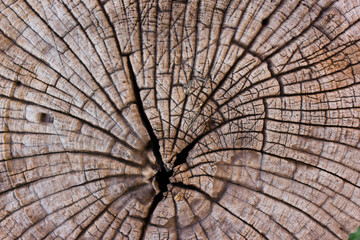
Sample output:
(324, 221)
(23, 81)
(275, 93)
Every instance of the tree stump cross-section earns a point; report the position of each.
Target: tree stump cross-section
(183, 119)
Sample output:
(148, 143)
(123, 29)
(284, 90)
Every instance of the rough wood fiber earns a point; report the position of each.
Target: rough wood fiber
(179, 119)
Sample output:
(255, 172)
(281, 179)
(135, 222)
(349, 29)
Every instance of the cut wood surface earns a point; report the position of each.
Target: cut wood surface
(203, 119)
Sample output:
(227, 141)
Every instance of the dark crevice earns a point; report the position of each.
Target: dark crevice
(182, 156)
(154, 141)
(265, 21)
(46, 118)
(163, 179)
(18, 83)
(194, 188)
(266, 113)
(163, 175)
(270, 67)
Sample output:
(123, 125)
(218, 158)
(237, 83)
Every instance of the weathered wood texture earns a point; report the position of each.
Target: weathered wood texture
(179, 119)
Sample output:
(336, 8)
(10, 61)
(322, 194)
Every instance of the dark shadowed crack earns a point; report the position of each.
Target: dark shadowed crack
(163, 175)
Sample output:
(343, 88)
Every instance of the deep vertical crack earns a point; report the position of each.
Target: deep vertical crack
(182, 156)
(162, 177)
(144, 119)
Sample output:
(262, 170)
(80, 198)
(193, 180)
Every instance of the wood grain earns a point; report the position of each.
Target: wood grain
(187, 119)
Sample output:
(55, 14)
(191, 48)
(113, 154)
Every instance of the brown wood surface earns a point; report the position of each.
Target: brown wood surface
(204, 119)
